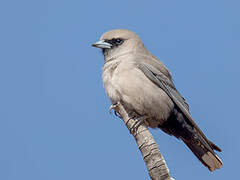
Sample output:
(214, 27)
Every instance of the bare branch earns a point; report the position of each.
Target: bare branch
(156, 165)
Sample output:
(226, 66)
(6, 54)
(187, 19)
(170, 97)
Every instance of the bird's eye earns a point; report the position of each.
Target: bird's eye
(118, 41)
(115, 41)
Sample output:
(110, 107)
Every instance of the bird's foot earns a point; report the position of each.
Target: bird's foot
(112, 107)
(138, 121)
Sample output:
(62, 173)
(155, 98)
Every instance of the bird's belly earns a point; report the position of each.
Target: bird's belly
(112, 92)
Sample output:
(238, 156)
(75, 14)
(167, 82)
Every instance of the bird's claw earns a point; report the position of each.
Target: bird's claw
(138, 121)
(112, 107)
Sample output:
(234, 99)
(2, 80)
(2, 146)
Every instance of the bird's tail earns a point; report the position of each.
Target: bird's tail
(204, 152)
(182, 128)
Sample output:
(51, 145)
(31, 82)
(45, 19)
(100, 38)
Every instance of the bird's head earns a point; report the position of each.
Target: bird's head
(114, 43)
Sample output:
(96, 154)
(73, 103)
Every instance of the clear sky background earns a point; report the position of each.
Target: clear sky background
(54, 120)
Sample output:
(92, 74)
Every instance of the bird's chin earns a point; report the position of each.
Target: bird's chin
(105, 51)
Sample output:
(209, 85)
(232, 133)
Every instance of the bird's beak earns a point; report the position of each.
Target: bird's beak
(102, 44)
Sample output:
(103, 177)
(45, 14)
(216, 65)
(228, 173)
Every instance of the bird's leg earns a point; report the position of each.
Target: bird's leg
(138, 121)
(112, 107)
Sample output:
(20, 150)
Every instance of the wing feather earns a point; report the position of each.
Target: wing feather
(167, 85)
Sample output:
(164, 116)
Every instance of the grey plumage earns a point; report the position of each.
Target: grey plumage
(133, 76)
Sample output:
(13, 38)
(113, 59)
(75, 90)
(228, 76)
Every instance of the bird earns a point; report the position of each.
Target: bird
(144, 85)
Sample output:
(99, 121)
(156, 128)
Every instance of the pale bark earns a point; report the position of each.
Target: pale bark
(156, 165)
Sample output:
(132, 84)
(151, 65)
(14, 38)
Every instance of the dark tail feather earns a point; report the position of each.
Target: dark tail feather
(179, 126)
(214, 146)
(204, 154)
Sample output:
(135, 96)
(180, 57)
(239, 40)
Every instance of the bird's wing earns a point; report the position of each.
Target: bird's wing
(164, 83)
(167, 85)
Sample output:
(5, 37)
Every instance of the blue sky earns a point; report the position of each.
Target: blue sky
(54, 120)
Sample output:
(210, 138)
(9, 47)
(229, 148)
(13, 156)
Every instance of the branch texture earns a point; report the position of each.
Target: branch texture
(156, 165)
